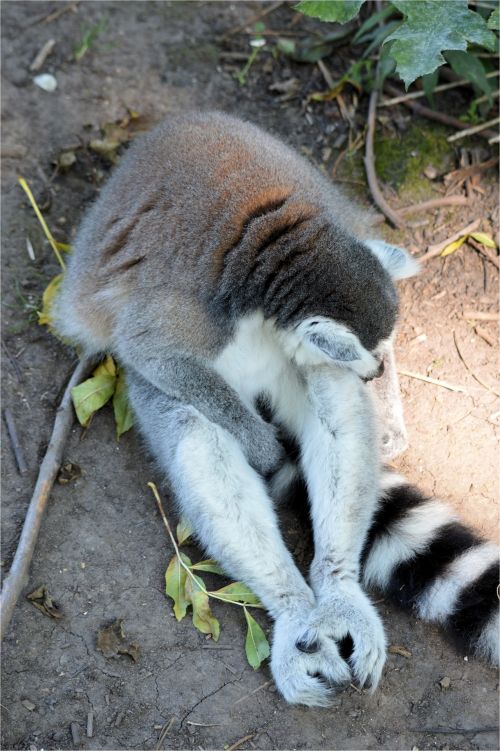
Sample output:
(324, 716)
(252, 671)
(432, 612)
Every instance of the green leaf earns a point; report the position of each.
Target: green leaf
(203, 618)
(48, 297)
(210, 566)
(91, 395)
(484, 239)
(429, 83)
(256, 644)
(184, 531)
(430, 27)
(330, 10)
(175, 585)
(237, 592)
(310, 50)
(494, 20)
(470, 67)
(370, 22)
(124, 417)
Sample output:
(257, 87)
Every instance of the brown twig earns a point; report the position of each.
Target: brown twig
(475, 129)
(14, 440)
(473, 374)
(435, 250)
(481, 315)
(42, 55)
(458, 731)
(485, 335)
(486, 252)
(252, 20)
(54, 15)
(435, 203)
(434, 381)
(241, 742)
(49, 468)
(439, 117)
(442, 87)
(369, 160)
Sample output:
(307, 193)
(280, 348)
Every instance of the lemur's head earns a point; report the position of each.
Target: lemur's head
(354, 319)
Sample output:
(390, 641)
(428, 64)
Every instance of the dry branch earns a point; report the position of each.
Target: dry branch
(435, 250)
(49, 468)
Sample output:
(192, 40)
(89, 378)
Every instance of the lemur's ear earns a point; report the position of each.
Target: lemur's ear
(396, 261)
(331, 341)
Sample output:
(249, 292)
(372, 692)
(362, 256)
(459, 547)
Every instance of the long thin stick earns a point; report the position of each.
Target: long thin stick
(473, 374)
(434, 381)
(442, 87)
(49, 468)
(475, 129)
(435, 250)
(14, 439)
(440, 117)
(163, 515)
(369, 160)
(435, 203)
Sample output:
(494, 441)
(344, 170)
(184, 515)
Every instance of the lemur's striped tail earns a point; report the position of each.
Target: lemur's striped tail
(422, 558)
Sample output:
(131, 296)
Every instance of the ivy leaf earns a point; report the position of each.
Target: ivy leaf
(237, 592)
(429, 28)
(494, 20)
(203, 618)
(330, 10)
(209, 565)
(471, 68)
(124, 417)
(184, 531)
(175, 585)
(256, 644)
(48, 297)
(91, 395)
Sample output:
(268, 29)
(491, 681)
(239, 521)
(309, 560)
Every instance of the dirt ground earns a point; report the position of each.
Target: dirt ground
(102, 550)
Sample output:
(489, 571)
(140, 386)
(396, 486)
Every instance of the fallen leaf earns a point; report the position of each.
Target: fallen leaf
(43, 601)
(203, 618)
(256, 644)
(68, 473)
(395, 649)
(237, 592)
(112, 642)
(124, 417)
(48, 297)
(209, 565)
(91, 395)
(484, 239)
(452, 247)
(183, 531)
(175, 585)
(106, 367)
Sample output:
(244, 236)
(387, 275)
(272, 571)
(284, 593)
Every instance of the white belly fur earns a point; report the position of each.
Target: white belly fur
(257, 360)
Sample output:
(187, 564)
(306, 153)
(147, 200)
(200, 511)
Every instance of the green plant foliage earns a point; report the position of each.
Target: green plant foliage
(91, 395)
(237, 592)
(331, 10)
(494, 20)
(175, 584)
(124, 417)
(470, 67)
(256, 644)
(431, 27)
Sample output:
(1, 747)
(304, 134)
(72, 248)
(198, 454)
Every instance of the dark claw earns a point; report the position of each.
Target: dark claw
(309, 647)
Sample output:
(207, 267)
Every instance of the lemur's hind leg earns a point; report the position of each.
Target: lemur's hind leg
(228, 506)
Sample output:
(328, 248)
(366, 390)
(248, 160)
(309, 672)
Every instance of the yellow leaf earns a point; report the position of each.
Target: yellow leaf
(209, 565)
(124, 417)
(203, 618)
(484, 239)
(63, 246)
(452, 247)
(106, 367)
(175, 584)
(45, 315)
(91, 395)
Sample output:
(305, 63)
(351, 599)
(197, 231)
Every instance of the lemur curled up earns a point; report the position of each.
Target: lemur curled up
(225, 272)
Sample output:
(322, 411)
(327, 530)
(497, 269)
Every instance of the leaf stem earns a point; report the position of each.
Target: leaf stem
(48, 234)
(163, 515)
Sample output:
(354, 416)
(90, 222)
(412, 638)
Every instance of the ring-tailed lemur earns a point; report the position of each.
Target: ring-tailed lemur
(225, 273)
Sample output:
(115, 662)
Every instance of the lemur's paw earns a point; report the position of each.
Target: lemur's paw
(306, 672)
(346, 614)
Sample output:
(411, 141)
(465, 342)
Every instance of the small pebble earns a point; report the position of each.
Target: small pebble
(27, 704)
(46, 81)
(75, 733)
(445, 682)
